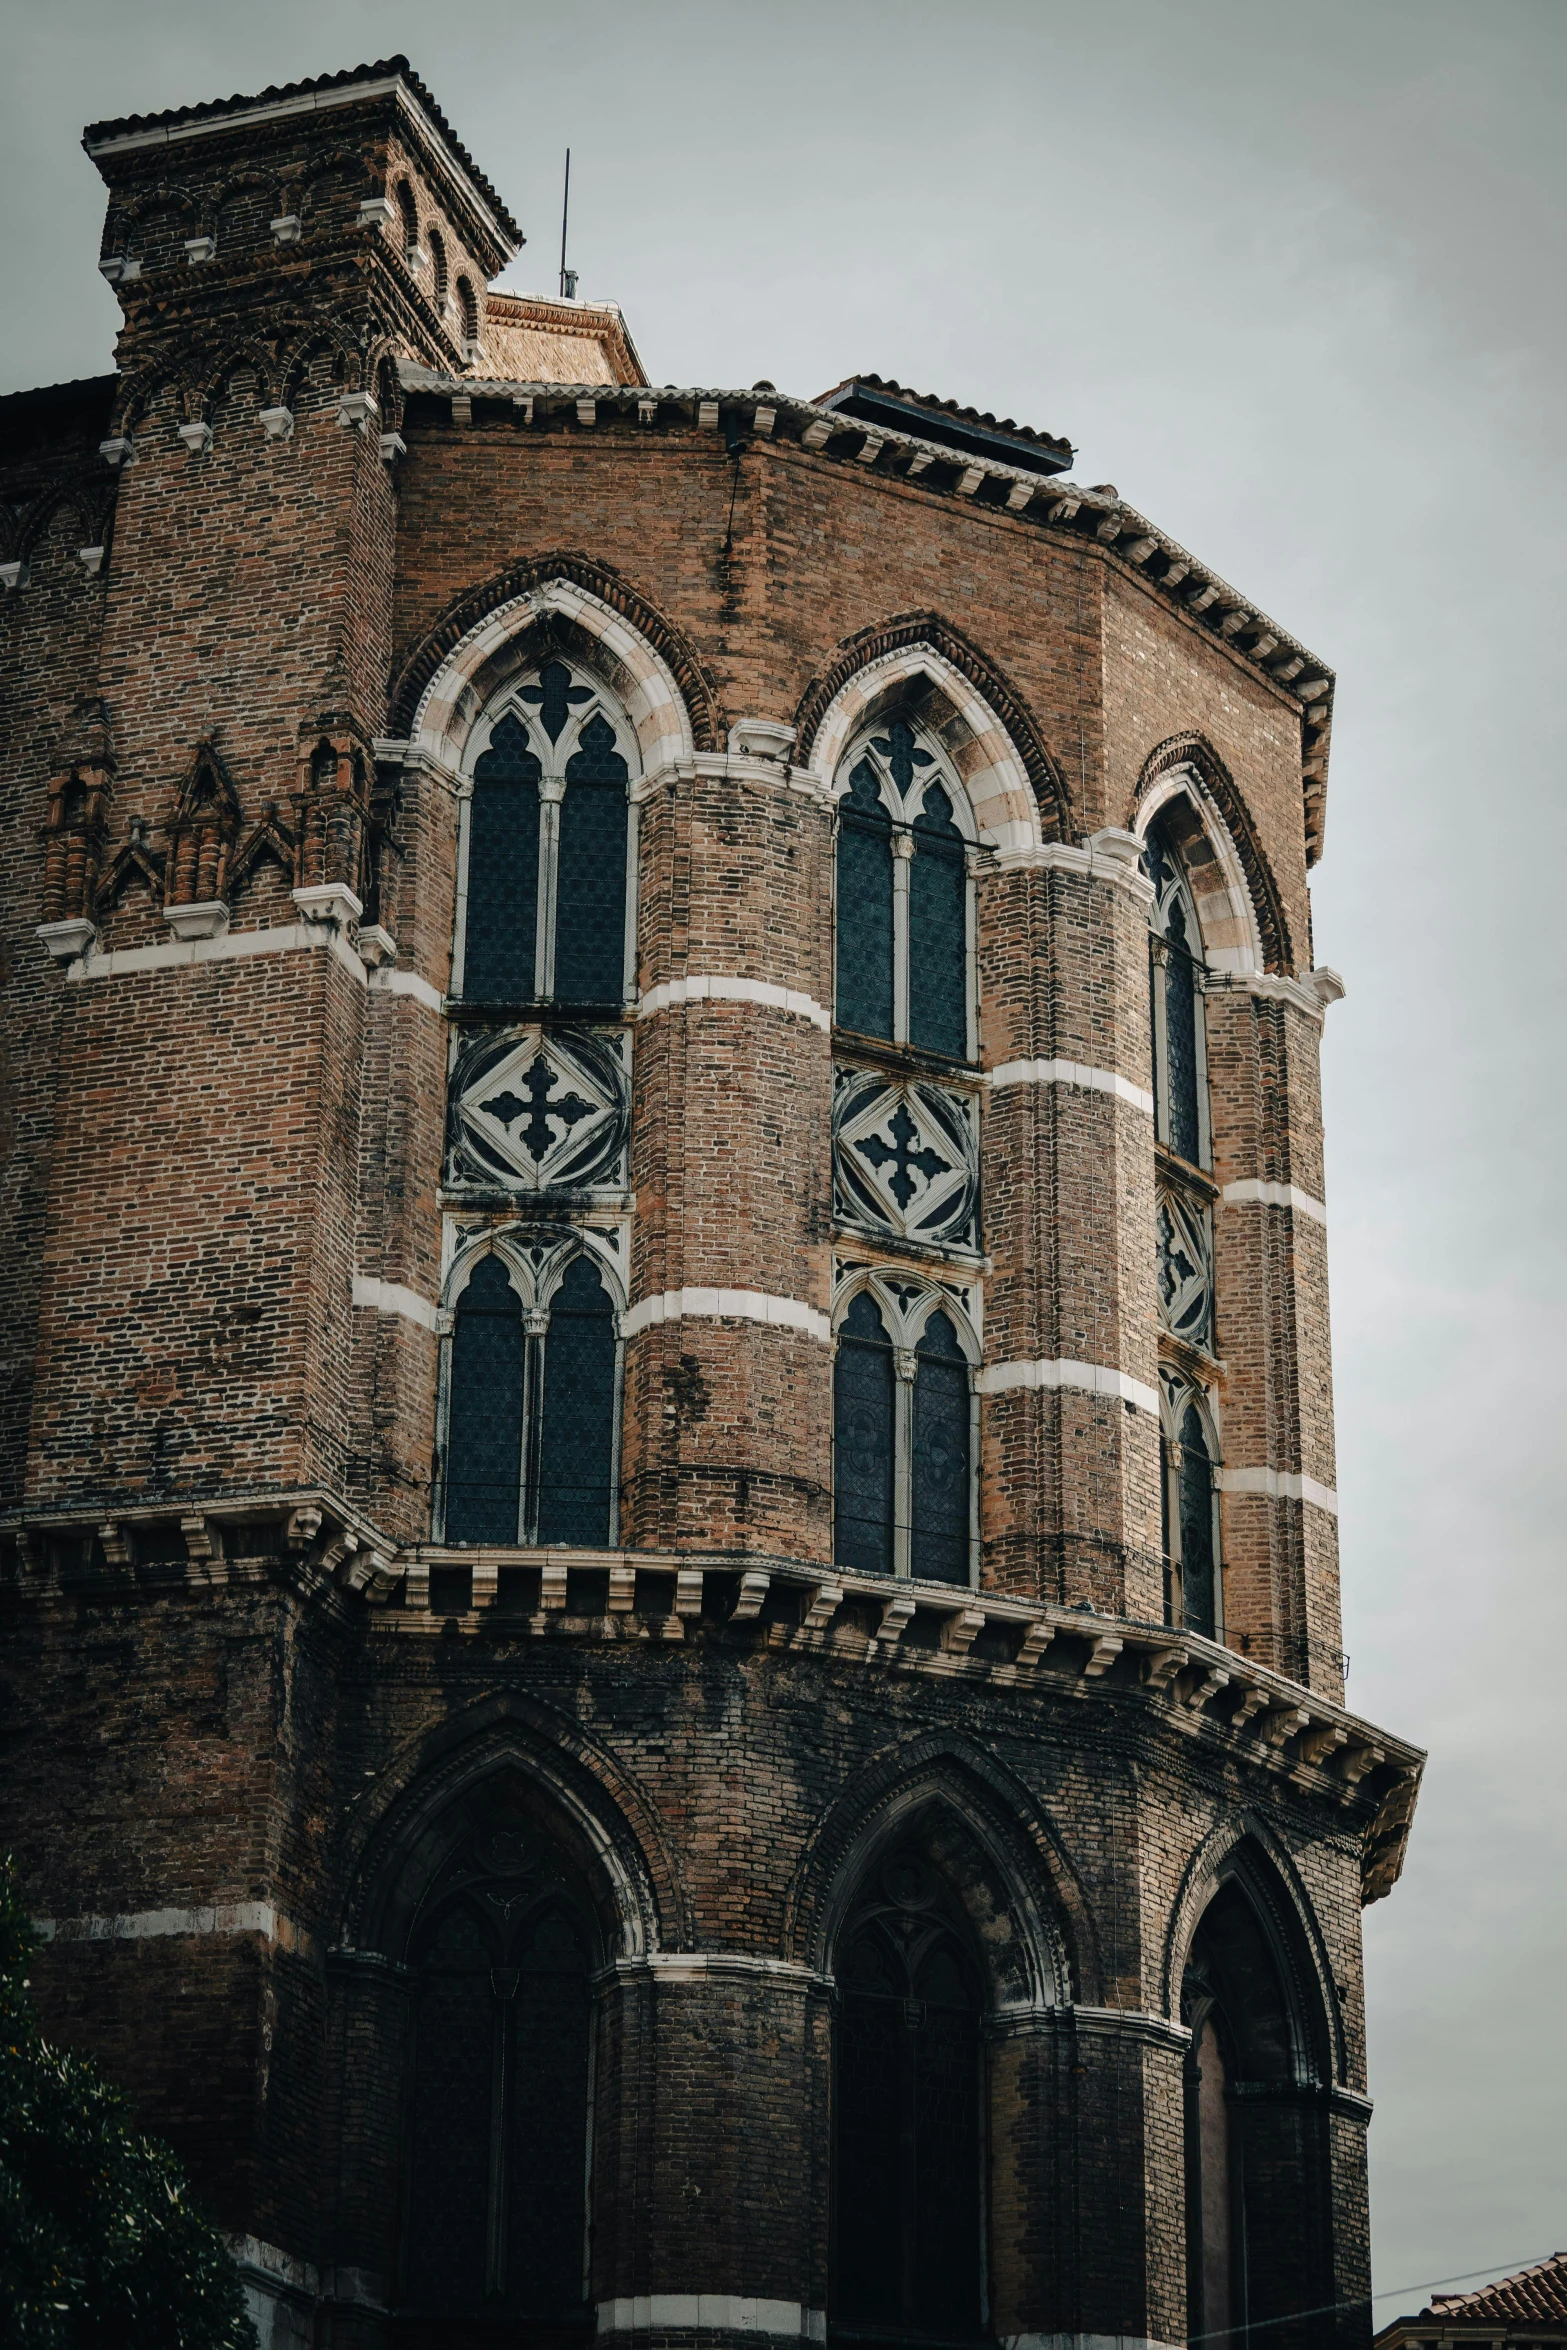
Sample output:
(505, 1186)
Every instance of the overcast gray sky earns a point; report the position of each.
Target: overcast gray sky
(1291, 276)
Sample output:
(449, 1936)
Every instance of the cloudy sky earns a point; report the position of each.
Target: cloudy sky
(1291, 276)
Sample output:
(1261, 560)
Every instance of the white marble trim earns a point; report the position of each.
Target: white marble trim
(1275, 1195)
(718, 988)
(1279, 1485)
(286, 938)
(746, 1305)
(708, 2313)
(388, 980)
(1090, 1378)
(1074, 1073)
(148, 1925)
(390, 1297)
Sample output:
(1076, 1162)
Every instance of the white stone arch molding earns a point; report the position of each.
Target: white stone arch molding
(1226, 915)
(907, 1300)
(496, 651)
(536, 1255)
(997, 798)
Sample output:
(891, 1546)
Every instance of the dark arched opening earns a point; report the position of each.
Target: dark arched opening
(909, 2113)
(496, 2137)
(1256, 2147)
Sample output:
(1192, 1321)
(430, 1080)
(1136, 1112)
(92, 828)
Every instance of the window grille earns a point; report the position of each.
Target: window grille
(531, 1410)
(904, 918)
(543, 907)
(904, 1435)
(908, 2250)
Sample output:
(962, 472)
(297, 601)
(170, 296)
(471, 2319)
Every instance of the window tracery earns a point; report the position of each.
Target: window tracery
(501, 1954)
(1189, 1459)
(1177, 972)
(529, 1412)
(544, 864)
(905, 1430)
(910, 2114)
(904, 913)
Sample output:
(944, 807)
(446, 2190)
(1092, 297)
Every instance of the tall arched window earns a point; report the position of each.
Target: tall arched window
(531, 1402)
(468, 312)
(909, 2111)
(497, 2143)
(1188, 1459)
(1177, 970)
(903, 896)
(1257, 2177)
(439, 286)
(904, 1429)
(408, 219)
(543, 911)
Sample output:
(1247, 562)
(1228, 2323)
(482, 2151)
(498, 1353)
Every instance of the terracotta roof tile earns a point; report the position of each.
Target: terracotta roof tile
(1535, 2296)
(214, 109)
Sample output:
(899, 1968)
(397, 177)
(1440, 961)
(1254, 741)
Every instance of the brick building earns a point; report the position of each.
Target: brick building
(672, 1655)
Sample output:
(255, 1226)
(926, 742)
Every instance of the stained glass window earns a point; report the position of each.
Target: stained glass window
(908, 2251)
(863, 1405)
(1196, 1510)
(500, 938)
(483, 1454)
(1175, 969)
(578, 1416)
(938, 931)
(590, 899)
(902, 899)
(939, 1500)
(530, 1442)
(865, 941)
(574, 833)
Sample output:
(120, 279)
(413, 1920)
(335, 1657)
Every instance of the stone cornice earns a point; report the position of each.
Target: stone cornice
(1097, 518)
(1196, 1687)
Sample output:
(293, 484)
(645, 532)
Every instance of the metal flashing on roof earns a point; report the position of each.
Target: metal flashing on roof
(873, 400)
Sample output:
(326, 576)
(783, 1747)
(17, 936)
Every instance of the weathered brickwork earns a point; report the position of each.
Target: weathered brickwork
(266, 589)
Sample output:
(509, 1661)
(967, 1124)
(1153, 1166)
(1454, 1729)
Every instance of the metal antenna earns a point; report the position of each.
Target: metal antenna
(568, 277)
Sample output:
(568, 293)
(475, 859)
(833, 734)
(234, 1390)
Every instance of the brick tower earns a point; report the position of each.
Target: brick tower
(672, 1648)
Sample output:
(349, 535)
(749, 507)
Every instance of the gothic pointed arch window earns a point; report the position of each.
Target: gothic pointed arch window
(904, 898)
(905, 1430)
(1257, 2169)
(1189, 1464)
(909, 2111)
(545, 864)
(496, 2152)
(529, 1417)
(1177, 973)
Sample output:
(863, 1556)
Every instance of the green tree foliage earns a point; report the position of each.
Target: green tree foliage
(100, 2247)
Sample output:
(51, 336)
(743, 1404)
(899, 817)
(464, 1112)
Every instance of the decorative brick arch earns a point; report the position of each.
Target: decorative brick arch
(481, 638)
(614, 1829)
(1188, 766)
(1013, 783)
(947, 1775)
(1243, 1852)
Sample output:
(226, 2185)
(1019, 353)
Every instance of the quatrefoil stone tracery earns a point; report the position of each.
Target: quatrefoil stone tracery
(905, 1160)
(535, 1110)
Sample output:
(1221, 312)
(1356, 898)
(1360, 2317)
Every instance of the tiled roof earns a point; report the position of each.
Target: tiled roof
(214, 109)
(1535, 2296)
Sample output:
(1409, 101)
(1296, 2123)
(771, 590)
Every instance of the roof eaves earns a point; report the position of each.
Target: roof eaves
(1192, 587)
(175, 124)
